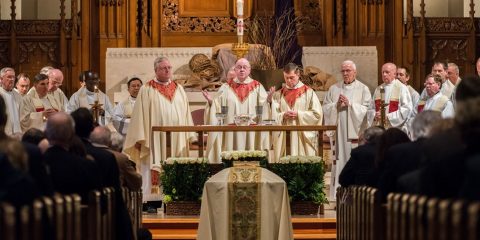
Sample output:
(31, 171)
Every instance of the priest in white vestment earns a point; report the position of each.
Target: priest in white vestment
(55, 81)
(22, 85)
(440, 68)
(122, 112)
(37, 105)
(295, 104)
(13, 100)
(241, 95)
(434, 100)
(403, 74)
(345, 106)
(453, 74)
(160, 102)
(86, 96)
(396, 99)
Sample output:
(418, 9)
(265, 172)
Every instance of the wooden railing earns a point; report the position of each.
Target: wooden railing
(361, 215)
(64, 217)
(200, 130)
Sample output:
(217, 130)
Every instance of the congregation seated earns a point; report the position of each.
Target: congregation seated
(406, 157)
(359, 168)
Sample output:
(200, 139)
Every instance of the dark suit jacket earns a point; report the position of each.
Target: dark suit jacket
(111, 178)
(71, 173)
(360, 168)
(399, 160)
(16, 187)
(37, 168)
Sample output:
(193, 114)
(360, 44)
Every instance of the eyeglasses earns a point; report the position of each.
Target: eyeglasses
(346, 71)
(165, 68)
(239, 67)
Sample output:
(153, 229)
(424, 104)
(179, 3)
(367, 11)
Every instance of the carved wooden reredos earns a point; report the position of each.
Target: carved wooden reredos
(82, 31)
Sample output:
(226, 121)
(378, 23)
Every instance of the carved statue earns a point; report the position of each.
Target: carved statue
(205, 74)
(317, 79)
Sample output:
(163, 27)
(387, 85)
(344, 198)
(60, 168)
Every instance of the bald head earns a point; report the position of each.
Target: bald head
(55, 79)
(242, 69)
(59, 129)
(389, 72)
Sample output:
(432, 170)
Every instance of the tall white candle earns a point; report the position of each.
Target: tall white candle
(239, 8)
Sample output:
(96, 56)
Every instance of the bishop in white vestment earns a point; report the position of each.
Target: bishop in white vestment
(160, 102)
(122, 112)
(241, 96)
(38, 105)
(345, 105)
(295, 104)
(396, 98)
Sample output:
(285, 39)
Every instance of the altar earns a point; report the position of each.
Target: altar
(245, 202)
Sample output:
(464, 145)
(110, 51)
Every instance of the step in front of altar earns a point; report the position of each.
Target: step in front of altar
(186, 228)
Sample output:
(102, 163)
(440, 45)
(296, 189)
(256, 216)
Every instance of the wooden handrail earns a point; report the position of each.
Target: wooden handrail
(201, 129)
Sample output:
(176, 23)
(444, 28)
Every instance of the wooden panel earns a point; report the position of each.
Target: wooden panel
(206, 8)
(196, 40)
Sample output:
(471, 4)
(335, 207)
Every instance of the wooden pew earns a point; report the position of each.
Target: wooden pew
(7, 221)
(133, 201)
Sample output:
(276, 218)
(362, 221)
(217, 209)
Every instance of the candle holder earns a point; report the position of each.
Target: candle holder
(240, 49)
(96, 108)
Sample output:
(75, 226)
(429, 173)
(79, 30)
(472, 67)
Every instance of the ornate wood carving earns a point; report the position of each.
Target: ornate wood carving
(39, 27)
(310, 19)
(27, 48)
(449, 49)
(173, 23)
(4, 53)
(443, 25)
(5, 26)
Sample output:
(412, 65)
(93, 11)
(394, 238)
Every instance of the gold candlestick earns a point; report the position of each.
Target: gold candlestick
(96, 108)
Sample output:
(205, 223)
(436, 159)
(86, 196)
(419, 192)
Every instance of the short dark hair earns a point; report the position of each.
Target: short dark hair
(33, 136)
(39, 77)
(291, 67)
(21, 75)
(83, 122)
(407, 71)
(133, 79)
(467, 107)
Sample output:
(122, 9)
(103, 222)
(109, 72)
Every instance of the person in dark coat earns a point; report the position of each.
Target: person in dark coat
(359, 169)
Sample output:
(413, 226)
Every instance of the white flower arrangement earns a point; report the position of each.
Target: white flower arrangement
(300, 159)
(186, 160)
(239, 155)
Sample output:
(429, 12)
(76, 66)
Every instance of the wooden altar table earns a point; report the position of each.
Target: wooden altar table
(201, 129)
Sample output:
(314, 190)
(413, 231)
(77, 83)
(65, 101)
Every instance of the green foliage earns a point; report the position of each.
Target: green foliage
(304, 180)
(184, 182)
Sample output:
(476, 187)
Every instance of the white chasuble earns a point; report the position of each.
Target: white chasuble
(31, 112)
(348, 121)
(240, 98)
(122, 114)
(157, 105)
(13, 100)
(304, 101)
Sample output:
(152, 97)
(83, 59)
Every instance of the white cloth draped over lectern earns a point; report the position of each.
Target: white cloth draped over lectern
(245, 202)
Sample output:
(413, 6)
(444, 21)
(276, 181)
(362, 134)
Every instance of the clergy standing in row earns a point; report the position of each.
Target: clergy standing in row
(160, 102)
(38, 105)
(86, 96)
(12, 100)
(122, 113)
(397, 100)
(345, 106)
(22, 85)
(295, 104)
(403, 74)
(240, 95)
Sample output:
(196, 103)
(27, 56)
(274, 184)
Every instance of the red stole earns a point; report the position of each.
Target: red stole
(243, 90)
(291, 95)
(392, 106)
(168, 91)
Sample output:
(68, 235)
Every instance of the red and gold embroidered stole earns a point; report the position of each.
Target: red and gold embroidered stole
(243, 90)
(168, 91)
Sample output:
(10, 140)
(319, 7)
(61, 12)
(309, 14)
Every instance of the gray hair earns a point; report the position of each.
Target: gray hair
(117, 140)
(350, 63)
(457, 71)
(158, 60)
(60, 128)
(372, 133)
(423, 122)
(5, 70)
(101, 135)
(46, 70)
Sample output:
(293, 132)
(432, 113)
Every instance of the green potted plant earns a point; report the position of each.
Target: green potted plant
(304, 178)
(182, 181)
